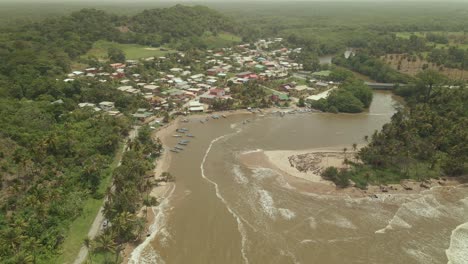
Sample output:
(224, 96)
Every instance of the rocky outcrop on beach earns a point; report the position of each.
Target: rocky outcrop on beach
(314, 162)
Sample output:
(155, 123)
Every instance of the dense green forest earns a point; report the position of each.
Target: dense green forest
(54, 156)
(352, 96)
(426, 139)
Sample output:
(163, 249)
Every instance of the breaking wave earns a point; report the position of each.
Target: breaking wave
(457, 253)
(143, 253)
(239, 176)
(240, 225)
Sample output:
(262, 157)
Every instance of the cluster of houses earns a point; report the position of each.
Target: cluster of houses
(196, 91)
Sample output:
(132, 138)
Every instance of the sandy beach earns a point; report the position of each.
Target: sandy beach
(303, 168)
(317, 159)
(162, 190)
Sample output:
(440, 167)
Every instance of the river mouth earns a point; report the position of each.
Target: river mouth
(230, 206)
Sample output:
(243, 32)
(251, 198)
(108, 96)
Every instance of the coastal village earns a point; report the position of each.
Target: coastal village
(195, 84)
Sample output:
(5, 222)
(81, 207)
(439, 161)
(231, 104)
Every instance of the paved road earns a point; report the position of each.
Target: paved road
(98, 221)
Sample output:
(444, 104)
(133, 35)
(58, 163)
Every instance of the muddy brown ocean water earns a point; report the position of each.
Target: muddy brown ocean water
(223, 211)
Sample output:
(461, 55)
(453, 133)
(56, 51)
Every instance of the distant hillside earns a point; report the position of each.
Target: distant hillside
(180, 21)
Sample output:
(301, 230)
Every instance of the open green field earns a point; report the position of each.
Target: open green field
(221, 40)
(132, 51)
(80, 226)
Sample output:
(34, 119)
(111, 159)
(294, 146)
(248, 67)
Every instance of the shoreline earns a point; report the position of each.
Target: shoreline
(309, 182)
(161, 191)
(317, 159)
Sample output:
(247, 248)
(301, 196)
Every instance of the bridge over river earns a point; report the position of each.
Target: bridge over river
(383, 86)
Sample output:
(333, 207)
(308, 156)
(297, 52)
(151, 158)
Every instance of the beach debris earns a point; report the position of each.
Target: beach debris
(224, 116)
(201, 121)
(425, 185)
(406, 187)
(383, 188)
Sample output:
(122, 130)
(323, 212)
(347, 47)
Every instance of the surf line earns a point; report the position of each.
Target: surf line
(159, 221)
(240, 225)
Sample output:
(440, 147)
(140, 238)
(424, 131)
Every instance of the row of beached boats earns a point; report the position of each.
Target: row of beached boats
(184, 142)
(213, 117)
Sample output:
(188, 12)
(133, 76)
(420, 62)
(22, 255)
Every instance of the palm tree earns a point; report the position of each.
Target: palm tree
(88, 243)
(23, 258)
(106, 243)
(355, 149)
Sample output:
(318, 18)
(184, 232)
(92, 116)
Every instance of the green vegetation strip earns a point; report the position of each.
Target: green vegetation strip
(80, 226)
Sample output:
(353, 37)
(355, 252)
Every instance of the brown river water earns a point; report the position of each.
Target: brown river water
(224, 212)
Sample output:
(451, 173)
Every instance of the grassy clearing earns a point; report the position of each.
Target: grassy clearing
(132, 51)
(80, 226)
(221, 40)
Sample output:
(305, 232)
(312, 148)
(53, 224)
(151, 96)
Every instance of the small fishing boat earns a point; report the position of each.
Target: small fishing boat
(201, 121)
(190, 135)
(175, 150)
(177, 135)
(184, 142)
(179, 148)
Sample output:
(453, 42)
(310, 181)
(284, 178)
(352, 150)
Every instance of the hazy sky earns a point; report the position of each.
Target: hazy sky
(180, 1)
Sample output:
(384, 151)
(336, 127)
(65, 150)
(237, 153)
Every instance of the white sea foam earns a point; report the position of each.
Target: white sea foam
(425, 206)
(251, 151)
(144, 253)
(340, 221)
(240, 225)
(457, 253)
(286, 213)
(396, 221)
(267, 203)
(264, 173)
(239, 176)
